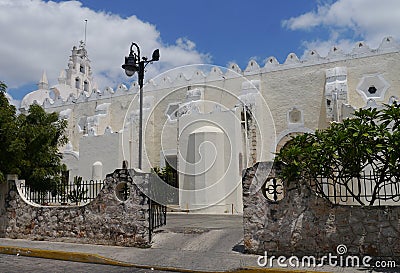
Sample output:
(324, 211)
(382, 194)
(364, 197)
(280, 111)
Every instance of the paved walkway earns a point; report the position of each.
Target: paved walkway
(188, 243)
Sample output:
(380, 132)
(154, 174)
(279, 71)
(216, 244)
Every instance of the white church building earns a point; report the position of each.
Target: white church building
(209, 123)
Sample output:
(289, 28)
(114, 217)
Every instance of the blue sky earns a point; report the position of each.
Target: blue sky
(228, 30)
(208, 31)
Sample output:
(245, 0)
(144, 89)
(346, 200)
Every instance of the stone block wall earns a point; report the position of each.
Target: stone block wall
(4, 188)
(106, 220)
(305, 224)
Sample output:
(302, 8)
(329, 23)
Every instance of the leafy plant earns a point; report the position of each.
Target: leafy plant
(29, 144)
(167, 174)
(79, 193)
(8, 134)
(340, 153)
(40, 136)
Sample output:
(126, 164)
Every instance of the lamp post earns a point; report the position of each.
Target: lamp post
(133, 63)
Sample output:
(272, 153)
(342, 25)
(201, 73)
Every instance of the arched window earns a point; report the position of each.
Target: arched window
(85, 86)
(78, 83)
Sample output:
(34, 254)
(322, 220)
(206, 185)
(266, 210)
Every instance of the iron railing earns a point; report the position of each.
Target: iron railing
(367, 189)
(157, 216)
(64, 194)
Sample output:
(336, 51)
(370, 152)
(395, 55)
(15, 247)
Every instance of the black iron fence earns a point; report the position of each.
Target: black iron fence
(64, 194)
(157, 216)
(367, 189)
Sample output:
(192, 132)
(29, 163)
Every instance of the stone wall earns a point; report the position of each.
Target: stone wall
(4, 188)
(106, 220)
(305, 224)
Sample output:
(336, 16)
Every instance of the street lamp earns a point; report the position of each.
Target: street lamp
(133, 63)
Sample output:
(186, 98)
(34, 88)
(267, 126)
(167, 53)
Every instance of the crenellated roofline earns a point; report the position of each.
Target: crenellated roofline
(360, 50)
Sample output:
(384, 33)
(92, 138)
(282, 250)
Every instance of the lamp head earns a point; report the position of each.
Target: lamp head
(130, 66)
(156, 55)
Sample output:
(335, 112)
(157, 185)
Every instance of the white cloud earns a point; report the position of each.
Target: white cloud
(349, 21)
(38, 35)
(185, 43)
(13, 101)
(305, 21)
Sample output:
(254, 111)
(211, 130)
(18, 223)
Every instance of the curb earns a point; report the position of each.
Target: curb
(60, 255)
(83, 258)
(98, 259)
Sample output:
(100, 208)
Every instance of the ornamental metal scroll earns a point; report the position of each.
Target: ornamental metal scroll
(369, 188)
(273, 189)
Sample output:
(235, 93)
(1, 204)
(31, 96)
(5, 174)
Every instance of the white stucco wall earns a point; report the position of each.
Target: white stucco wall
(105, 149)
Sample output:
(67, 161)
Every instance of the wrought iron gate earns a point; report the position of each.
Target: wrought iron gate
(157, 216)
